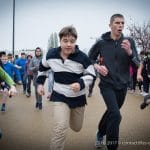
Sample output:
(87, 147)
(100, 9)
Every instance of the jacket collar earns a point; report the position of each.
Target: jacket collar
(106, 36)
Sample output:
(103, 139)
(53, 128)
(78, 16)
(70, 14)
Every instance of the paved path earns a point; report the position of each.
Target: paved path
(26, 128)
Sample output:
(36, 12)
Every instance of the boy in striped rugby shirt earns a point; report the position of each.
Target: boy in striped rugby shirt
(73, 72)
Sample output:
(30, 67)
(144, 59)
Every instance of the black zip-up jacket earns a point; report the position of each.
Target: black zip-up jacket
(115, 59)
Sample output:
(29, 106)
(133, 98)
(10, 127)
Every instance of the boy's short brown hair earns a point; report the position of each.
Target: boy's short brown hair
(68, 30)
(23, 53)
(112, 18)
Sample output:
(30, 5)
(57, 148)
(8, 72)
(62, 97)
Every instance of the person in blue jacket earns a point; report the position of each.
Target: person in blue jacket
(4, 77)
(22, 62)
(10, 68)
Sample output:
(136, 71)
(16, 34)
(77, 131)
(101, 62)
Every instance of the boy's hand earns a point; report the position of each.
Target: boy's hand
(40, 89)
(127, 46)
(101, 69)
(12, 91)
(48, 95)
(139, 77)
(75, 87)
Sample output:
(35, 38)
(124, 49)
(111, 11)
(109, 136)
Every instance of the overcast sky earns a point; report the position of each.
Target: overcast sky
(37, 19)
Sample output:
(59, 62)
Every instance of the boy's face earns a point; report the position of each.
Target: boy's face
(23, 56)
(4, 59)
(67, 44)
(29, 57)
(10, 59)
(117, 26)
(38, 52)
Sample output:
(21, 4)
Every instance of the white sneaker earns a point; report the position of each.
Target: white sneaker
(144, 93)
(99, 142)
(141, 93)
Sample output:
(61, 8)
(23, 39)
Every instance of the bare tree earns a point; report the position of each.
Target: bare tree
(141, 34)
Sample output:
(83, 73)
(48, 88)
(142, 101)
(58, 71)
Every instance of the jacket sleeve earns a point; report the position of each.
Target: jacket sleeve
(5, 77)
(88, 74)
(43, 71)
(17, 73)
(50, 81)
(94, 52)
(31, 65)
(134, 57)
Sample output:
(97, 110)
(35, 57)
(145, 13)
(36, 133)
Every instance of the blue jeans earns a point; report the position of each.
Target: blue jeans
(109, 124)
(24, 81)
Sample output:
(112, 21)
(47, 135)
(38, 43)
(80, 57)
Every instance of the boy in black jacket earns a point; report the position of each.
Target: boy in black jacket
(112, 56)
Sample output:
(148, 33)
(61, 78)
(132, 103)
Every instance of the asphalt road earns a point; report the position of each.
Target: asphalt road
(26, 128)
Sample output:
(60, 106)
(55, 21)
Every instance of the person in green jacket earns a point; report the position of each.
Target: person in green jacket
(12, 90)
(5, 77)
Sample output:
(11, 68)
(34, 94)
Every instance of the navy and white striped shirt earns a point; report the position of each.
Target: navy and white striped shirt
(76, 68)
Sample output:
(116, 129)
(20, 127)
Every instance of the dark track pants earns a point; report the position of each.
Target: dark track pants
(109, 124)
